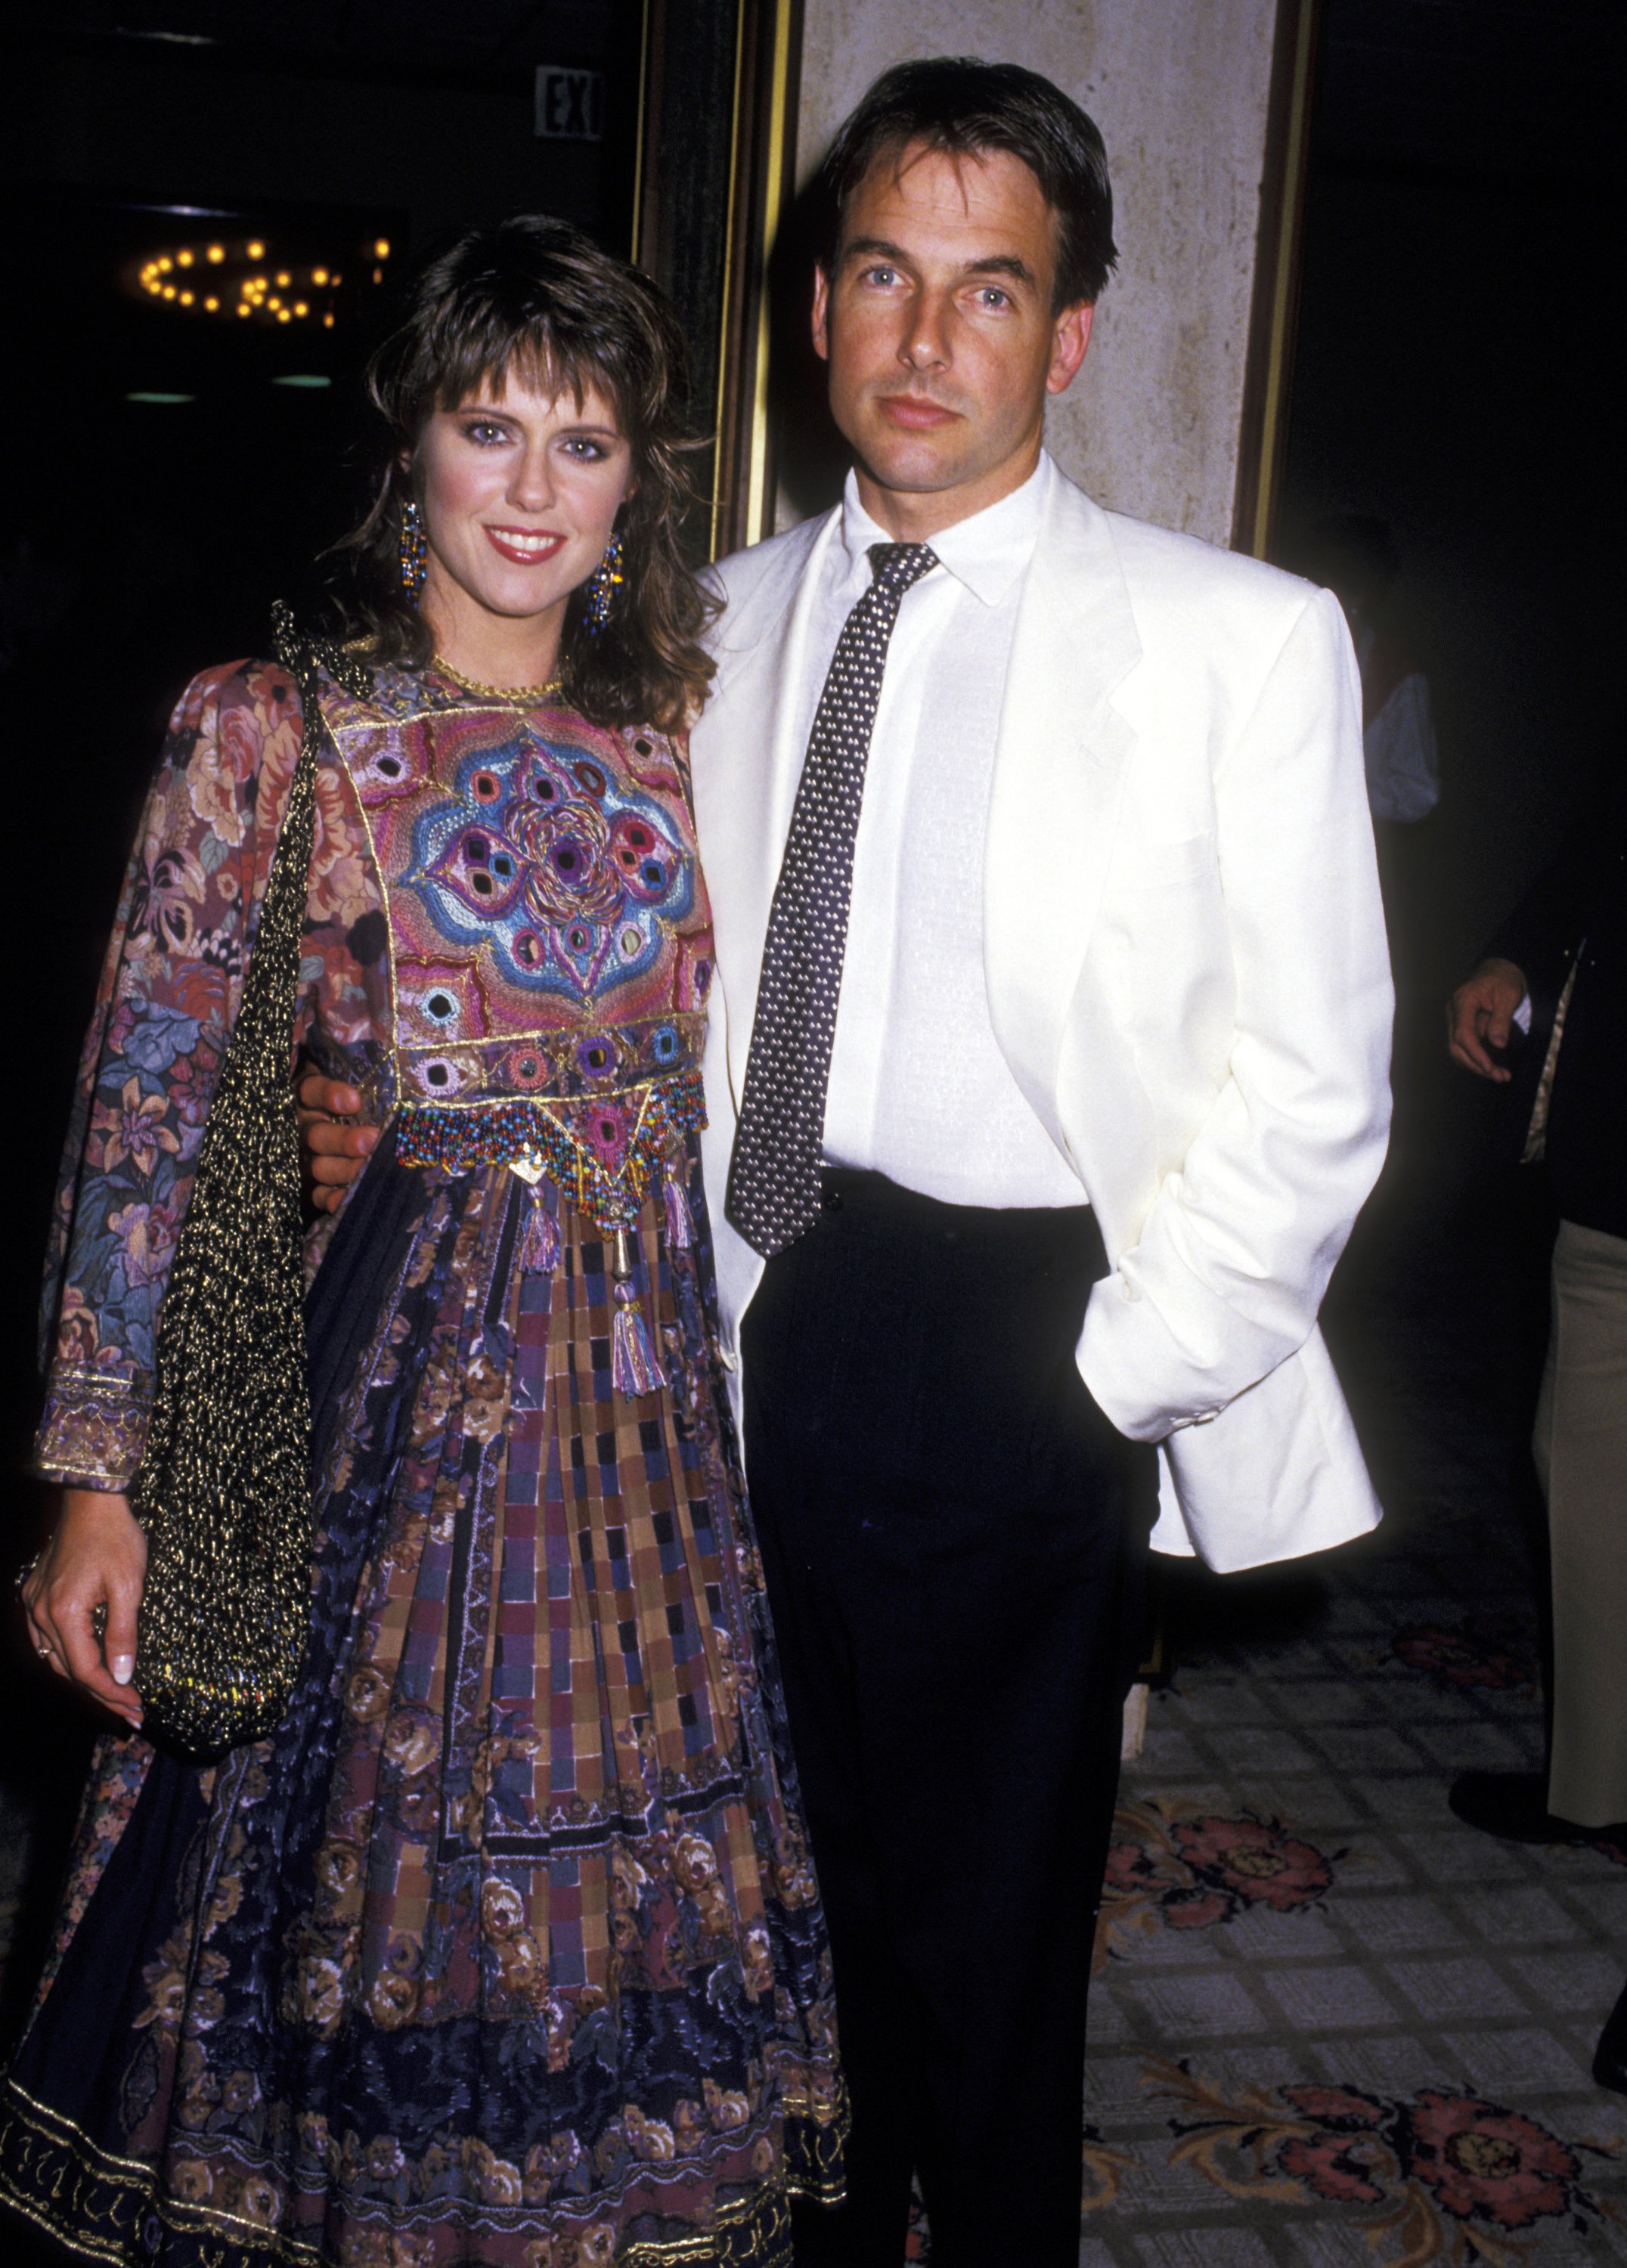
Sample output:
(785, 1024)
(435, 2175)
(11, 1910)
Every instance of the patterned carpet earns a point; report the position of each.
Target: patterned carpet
(1331, 2027)
(1331, 2024)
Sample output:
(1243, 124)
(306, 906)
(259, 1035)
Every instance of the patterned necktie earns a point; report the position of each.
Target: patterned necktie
(774, 1177)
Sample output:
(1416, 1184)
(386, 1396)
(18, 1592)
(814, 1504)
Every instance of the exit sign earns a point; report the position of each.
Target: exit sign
(570, 103)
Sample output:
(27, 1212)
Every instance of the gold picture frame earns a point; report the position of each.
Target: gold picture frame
(716, 134)
(1269, 370)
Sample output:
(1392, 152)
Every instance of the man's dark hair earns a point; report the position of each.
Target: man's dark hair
(964, 107)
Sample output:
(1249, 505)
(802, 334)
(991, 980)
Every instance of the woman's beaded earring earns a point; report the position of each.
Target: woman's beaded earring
(602, 585)
(414, 551)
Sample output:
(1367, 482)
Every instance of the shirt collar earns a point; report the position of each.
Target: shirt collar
(987, 552)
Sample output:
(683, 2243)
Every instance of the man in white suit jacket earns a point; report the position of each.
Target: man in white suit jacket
(1200, 1024)
(1130, 769)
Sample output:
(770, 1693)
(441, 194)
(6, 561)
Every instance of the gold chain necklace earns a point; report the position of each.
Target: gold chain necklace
(513, 696)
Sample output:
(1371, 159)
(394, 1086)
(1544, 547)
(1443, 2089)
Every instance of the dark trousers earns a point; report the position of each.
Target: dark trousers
(953, 1537)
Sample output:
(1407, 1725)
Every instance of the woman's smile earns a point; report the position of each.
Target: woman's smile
(526, 547)
(495, 590)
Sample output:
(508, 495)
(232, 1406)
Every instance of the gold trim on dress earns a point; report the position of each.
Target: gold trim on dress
(752, 2232)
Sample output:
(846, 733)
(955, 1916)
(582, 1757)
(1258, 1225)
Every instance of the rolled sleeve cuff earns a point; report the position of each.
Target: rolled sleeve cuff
(93, 1432)
(1153, 1384)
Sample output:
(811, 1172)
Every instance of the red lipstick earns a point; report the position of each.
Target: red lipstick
(524, 547)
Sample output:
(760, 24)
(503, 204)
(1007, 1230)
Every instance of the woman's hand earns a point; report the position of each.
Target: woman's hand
(97, 1557)
(331, 1152)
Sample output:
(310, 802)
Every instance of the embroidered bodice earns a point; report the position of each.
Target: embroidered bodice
(546, 932)
(507, 949)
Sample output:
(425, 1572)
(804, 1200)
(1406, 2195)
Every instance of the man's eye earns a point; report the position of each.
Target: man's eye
(991, 296)
(880, 276)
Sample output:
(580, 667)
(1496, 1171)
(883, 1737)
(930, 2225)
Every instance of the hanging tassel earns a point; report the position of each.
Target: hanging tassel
(680, 1227)
(539, 1248)
(633, 1366)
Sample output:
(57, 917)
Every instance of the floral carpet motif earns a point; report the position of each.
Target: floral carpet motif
(1441, 2176)
(1492, 1652)
(1172, 1869)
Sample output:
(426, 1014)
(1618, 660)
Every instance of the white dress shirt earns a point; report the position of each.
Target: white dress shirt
(919, 1089)
(1403, 769)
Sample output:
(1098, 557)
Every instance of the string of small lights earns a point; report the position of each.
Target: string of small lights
(243, 280)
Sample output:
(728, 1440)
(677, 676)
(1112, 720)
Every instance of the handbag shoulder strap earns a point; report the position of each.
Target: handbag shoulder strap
(229, 1435)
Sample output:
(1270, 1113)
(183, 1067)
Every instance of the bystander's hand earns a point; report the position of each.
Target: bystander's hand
(1480, 1015)
(332, 1147)
(81, 1597)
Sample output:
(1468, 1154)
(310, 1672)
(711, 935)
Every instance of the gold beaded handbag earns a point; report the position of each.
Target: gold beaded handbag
(224, 1486)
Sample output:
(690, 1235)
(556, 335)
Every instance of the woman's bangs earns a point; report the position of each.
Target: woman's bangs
(534, 356)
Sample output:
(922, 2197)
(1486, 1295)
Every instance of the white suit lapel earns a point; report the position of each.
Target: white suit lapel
(1059, 768)
(748, 755)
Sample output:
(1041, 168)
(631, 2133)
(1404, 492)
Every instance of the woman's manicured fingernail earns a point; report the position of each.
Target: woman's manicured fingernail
(123, 1668)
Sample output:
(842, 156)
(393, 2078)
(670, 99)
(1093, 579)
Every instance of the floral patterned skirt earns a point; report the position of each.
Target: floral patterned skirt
(505, 1948)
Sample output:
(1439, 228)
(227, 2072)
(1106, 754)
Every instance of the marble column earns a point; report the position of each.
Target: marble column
(1152, 424)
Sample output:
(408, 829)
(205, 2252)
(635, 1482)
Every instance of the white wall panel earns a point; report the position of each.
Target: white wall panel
(1179, 89)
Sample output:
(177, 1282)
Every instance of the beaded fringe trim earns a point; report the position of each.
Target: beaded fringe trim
(524, 1132)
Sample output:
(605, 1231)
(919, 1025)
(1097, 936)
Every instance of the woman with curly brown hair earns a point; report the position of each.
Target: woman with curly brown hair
(502, 1945)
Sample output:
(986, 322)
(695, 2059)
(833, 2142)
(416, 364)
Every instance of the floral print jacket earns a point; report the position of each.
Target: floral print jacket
(169, 990)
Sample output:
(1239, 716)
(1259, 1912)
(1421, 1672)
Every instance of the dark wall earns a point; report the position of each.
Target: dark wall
(428, 110)
(1453, 378)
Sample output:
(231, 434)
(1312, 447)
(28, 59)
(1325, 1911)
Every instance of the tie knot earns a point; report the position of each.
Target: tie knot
(895, 566)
